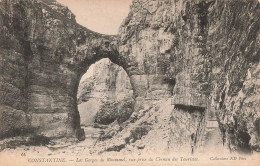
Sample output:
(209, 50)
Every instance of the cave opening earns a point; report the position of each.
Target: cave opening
(105, 95)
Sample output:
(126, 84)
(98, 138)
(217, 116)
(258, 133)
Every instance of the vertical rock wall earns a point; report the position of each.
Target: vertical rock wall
(103, 94)
(44, 52)
(208, 49)
(205, 53)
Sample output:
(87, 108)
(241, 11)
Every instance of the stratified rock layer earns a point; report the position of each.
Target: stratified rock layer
(44, 53)
(204, 53)
(208, 51)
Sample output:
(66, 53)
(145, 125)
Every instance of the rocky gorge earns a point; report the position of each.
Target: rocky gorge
(106, 94)
(183, 76)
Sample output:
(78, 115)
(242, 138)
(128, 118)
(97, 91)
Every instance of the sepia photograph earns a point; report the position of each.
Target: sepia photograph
(129, 82)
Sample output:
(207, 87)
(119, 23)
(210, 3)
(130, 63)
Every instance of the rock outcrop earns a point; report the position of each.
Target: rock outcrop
(208, 51)
(204, 54)
(44, 53)
(158, 129)
(105, 95)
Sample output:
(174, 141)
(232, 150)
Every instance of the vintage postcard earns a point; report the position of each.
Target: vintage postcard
(129, 82)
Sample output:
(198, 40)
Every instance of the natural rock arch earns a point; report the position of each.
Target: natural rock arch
(54, 52)
(44, 52)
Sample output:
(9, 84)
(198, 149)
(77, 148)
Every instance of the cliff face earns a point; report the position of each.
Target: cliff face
(105, 94)
(203, 55)
(208, 51)
(44, 53)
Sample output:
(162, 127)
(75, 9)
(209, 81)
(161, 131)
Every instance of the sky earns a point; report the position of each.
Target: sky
(103, 16)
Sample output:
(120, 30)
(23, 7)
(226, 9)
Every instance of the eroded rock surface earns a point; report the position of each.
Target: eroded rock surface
(44, 52)
(208, 51)
(203, 54)
(105, 95)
